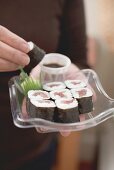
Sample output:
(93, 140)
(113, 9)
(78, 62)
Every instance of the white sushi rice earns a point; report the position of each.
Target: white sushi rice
(38, 94)
(81, 92)
(43, 103)
(66, 103)
(31, 45)
(53, 86)
(59, 94)
(75, 84)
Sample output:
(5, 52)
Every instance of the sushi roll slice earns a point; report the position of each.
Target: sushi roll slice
(53, 86)
(67, 110)
(36, 54)
(43, 109)
(38, 94)
(84, 98)
(59, 94)
(71, 84)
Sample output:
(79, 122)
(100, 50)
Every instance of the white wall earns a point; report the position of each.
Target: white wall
(97, 14)
(105, 58)
(91, 17)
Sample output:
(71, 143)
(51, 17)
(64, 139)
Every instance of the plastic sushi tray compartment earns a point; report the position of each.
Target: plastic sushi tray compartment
(71, 105)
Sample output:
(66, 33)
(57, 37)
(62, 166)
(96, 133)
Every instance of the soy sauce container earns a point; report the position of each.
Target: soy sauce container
(54, 67)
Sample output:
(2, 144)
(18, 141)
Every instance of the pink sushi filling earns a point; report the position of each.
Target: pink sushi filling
(44, 101)
(53, 85)
(75, 83)
(67, 101)
(41, 94)
(82, 92)
(61, 94)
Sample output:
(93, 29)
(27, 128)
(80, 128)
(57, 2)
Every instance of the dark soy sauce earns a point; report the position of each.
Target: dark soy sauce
(53, 65)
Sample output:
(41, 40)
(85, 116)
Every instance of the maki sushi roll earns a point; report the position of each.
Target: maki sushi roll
(59, 94)
(71, 84)
(67, 110)
(36, 54)
(43, 109)
(84, 98)
(53, 86)
(38, 94)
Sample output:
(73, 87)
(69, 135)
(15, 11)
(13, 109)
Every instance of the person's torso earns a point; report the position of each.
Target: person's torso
(37, 21)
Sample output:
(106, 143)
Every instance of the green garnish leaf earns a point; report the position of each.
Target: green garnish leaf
(28, 83)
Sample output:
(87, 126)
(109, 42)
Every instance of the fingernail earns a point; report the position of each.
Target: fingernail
(25, 47)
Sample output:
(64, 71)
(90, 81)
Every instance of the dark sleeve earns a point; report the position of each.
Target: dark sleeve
(73, 33)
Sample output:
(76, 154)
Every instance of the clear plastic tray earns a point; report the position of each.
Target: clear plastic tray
(103, 108)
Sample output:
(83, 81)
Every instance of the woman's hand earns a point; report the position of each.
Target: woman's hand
(13, 51)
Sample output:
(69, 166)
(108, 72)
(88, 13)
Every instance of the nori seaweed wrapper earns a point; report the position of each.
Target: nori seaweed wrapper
(85, 105)
(28, 105)
(46, 113)
(36, 55)
(67, 115)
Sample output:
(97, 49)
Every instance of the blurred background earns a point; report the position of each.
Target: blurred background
(97, 144)
(94, 148)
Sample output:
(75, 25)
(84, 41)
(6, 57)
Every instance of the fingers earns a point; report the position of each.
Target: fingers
(13, 55)
(13, 40)
(72, 71)
(7, 66)
(13, 50)
(24, 111)
(35, 73)
(65, 133)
